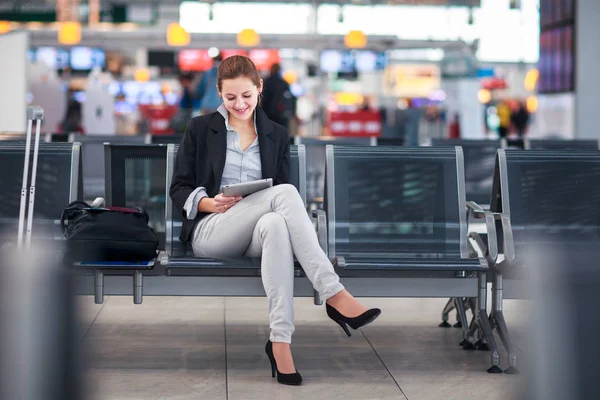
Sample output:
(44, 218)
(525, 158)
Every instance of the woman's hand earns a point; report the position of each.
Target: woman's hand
(224, 203)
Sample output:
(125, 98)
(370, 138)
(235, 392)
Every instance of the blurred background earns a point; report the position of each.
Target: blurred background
(411, 69)
(403, 72)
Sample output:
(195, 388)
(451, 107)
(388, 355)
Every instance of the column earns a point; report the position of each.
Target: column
(587, 59)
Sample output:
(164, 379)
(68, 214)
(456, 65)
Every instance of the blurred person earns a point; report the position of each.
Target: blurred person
(239, 143)
(454, 128)
(188, 102)
(278, 101)
(72, 120)
(365, 104)
(207, 95)
(504, 115)
(520, 119)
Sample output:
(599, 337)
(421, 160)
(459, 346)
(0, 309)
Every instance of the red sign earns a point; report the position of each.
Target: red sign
(195, 60)
(493, 83)
(358, 123)
(159, 117)
(233, 52)
(264, 58)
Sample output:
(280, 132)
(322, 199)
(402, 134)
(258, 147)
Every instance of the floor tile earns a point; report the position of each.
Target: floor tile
(165, 348)
(426, 361)
(332, 365)
(87, 312)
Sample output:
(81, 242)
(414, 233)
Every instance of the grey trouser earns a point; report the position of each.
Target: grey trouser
(272, 223)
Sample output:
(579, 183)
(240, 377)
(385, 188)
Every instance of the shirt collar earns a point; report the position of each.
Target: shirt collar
(223, 111)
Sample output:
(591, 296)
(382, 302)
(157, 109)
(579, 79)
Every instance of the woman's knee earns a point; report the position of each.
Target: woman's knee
(286, 189)
(273, 224)
(289, 195)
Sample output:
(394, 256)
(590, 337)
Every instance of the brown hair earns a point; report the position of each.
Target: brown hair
(235, 66)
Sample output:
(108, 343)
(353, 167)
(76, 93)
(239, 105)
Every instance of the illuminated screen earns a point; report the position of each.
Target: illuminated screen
(87, 58)
(556, 60)
(53, 57)
(347, 61)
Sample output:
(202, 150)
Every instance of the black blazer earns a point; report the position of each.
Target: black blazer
(201, 159)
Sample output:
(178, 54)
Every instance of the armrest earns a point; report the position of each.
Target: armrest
(509, 242)
(475, 209)
(321, 217)
(490, 255)
(491, 250)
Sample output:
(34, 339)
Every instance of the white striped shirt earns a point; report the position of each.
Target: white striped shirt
(240, 166)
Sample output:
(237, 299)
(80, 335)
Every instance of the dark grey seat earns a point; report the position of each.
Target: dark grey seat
(479, 165)
(92, 147)
(542, 199)
(58, 183)
(396, 208)
(166, 139)
(135, 176)
(561, 144)
(400, 213)
(513, 143)
(390, 141)
(315, 161)
(179, 258)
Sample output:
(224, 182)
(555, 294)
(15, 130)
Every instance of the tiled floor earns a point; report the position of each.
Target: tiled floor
(205, 348)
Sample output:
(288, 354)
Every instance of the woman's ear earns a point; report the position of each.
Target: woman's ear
(260, 87)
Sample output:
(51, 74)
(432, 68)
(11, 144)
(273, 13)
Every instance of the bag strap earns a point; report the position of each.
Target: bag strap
(76, 205)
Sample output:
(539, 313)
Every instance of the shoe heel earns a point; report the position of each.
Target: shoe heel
(344, 327)
(269, 351)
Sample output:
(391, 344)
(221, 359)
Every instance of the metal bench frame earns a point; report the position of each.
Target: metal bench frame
(413, 284)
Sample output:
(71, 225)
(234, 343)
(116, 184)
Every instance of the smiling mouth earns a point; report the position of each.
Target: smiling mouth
(241, 111)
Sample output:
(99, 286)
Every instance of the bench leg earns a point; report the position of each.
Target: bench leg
(98, 287)
(459, 320)
(469, 340)
(462, 315)
(484, 323)
(138, 285)
(447, 308)
(500, 323)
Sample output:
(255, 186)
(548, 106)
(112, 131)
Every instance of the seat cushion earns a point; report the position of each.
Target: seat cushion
(375, 266)
(190, 265)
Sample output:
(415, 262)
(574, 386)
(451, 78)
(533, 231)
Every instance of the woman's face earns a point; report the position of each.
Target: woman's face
(240, 96)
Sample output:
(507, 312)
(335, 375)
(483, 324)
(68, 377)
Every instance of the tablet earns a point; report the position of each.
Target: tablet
(247, 188)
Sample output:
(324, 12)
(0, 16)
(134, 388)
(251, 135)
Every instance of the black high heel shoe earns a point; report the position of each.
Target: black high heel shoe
(363, 319)
(286, 379)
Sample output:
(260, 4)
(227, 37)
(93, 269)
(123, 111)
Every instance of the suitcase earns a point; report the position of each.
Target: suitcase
(34, 114)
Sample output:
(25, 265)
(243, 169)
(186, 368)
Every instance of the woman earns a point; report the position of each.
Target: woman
(239, 143)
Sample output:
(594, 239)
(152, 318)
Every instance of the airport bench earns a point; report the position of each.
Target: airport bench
(541, 199)
(58, 183)
(561, 144)
(395, 223)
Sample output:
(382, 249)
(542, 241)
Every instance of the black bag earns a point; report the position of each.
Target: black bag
(107, 234)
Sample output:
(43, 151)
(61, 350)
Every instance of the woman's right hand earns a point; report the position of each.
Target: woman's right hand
(224, 203)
